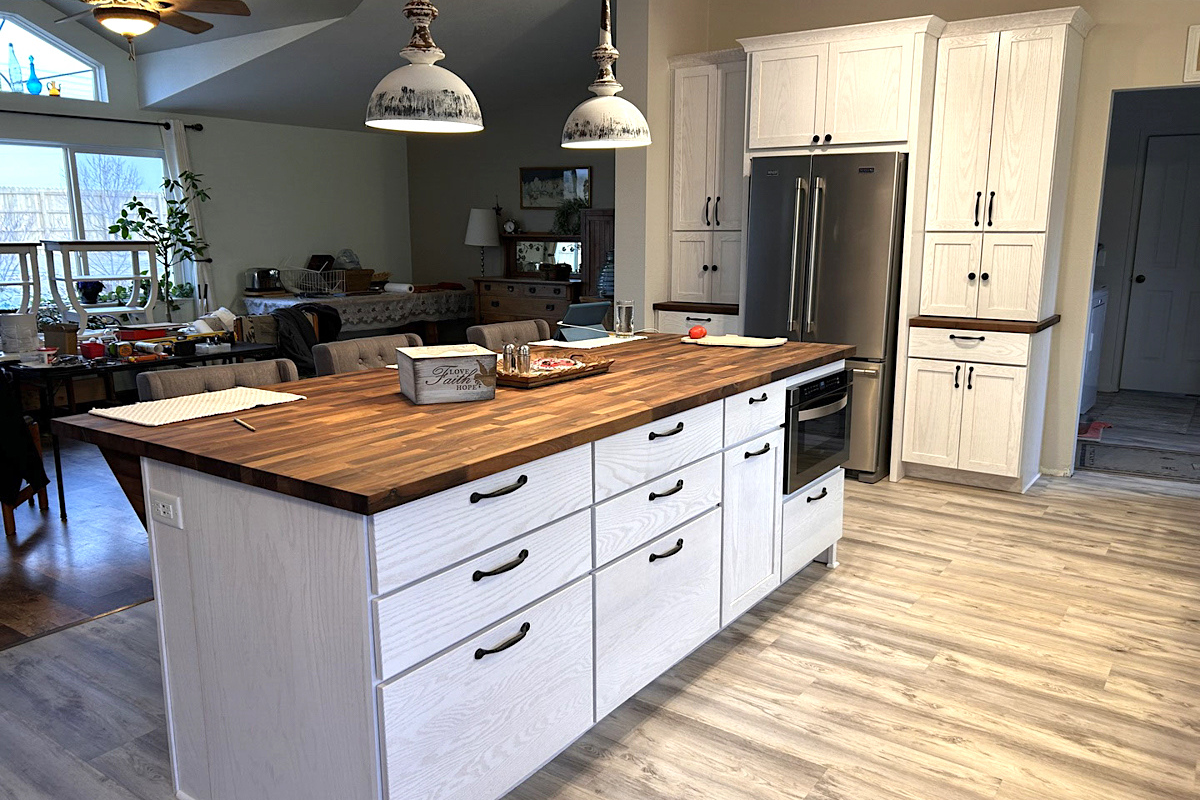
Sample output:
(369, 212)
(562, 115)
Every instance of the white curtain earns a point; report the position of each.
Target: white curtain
(179, 160)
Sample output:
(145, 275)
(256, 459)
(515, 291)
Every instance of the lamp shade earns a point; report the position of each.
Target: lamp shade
(481, 229)
(127, 21)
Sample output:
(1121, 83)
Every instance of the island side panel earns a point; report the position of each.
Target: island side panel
(278, 676)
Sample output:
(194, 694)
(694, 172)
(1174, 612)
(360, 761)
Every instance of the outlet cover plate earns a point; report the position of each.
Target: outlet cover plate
(166, 508)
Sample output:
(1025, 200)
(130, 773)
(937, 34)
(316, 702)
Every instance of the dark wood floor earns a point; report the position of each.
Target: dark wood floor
(972, 646)
(56, 573)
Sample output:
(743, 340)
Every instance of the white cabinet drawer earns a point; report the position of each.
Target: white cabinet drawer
(415, 623)
(462, 726)
(812, 521)
(644, 453)
(636, 517)
(426, 535)
(681, 322)
(652, 613)
(983, 347)
(755, 412)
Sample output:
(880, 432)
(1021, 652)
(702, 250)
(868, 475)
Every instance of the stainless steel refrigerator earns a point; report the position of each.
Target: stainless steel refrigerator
(823, 265)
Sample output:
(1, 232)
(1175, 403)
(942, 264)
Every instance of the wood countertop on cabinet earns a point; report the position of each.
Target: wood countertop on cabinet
(973, 324)
(356, 443)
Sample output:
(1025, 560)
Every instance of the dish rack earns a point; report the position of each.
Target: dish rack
(311, 283)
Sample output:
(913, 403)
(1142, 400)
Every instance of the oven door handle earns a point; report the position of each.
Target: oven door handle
(821, 411)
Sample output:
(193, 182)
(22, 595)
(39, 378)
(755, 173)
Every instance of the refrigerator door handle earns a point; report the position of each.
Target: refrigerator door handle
(810, 321)
(801, 191)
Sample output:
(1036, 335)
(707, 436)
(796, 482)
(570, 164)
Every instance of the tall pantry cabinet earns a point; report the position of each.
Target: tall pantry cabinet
(1003, 122)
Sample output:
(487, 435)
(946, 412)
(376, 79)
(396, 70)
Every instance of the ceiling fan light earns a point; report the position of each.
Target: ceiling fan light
(127, 21)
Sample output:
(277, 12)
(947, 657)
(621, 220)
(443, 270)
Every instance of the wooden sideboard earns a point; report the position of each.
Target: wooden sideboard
(508, 299)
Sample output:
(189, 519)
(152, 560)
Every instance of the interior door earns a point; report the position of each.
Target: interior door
(870, 82)
(691, 263)
(727, 205)
(993, 419)
(787, 90)
(950, 275)
(725, 275)
(962, 132)
(752, 523)
(1010, 279)
(933, 412)
(693, 148)
(1024, 128)
(1162, 335)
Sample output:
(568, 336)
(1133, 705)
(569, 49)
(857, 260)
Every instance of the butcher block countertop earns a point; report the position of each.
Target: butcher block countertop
(356, 443)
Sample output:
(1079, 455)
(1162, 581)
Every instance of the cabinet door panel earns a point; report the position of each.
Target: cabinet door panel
(751, 523)
(947, 288)
(993, 416)
(726, 272)
(870, 82)
(933, 412)
(691, 259)
(1024, 127)
(693, 148)
(787, 96)
(962, 132)
(1010, 283)
(731, 141)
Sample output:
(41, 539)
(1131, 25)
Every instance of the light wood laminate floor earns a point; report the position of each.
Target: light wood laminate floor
(972, 646)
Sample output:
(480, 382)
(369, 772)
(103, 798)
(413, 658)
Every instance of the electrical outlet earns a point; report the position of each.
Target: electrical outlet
(166, 508)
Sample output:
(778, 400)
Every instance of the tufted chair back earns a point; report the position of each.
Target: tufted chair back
(498, 334)
(353, 355)
(161, 384)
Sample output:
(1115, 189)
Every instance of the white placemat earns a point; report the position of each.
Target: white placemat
(153, 413)
(587, 344)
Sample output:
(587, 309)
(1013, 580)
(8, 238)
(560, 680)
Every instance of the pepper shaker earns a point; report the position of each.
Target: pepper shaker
(523, 360)
(510, 358)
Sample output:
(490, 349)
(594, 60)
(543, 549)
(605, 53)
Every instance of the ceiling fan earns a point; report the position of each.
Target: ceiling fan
(130, 18)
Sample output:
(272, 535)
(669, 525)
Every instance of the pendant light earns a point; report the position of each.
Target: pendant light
(421, 97)
(605, 121)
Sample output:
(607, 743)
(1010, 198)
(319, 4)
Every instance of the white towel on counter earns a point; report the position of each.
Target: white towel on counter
(587, 344)
(398, 288)
(153, 413)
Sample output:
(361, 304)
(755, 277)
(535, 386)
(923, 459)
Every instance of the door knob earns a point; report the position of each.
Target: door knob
(816, 138)
(1140, 279)
(705, 268)
(714, 267)
(970, 276)
(984, 276)
(828, 138)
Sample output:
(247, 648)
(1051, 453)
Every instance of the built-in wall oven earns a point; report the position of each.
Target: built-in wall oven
(817, 431)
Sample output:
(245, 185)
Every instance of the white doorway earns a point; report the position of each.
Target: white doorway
(1162, 336)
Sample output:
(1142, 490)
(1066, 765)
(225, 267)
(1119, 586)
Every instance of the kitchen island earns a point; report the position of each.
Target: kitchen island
(368, 599)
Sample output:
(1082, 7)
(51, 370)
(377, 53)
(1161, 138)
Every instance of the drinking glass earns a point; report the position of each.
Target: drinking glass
(623, 318)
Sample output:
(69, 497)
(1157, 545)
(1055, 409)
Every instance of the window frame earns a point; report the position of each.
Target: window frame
(99, 77)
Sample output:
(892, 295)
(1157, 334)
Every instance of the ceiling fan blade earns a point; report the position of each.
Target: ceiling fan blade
(76, 15)
(235, 7)
(184, 22)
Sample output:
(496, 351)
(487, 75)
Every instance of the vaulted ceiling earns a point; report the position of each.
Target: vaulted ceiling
(315, 62)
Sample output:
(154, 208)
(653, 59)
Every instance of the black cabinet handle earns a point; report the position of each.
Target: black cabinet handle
(821, 496)
(558, 291)
(698, 319)
(816, 138)
(1140, 279)
(512, 487)
(978, 197)
(707, 203)
(705, 268)
(481, 652)
(715, 267)
(970, 372)
(968, 338)
(766, 448)
(717, 211)
(656, 435)
(495, 304)
(970, 276)
(503, 568)
(984, 276)
(656, 556)
(533, 290)
(512, 288)
(762, 399)
(828, 138)
(676, 489)
(957, 370)
(487, 287)
(991, 205)
(551, 306)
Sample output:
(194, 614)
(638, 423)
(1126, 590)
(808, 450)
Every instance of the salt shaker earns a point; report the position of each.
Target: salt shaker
(510, 358)
(523, 360)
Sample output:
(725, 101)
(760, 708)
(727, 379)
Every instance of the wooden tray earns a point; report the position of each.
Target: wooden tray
(590, 366)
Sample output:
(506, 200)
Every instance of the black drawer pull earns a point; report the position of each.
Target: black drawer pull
(558, 291)
(656, 435)
(766, 448)
(824, 493)
(656, 556)
(970, 372)
(495, 304)
(967, 338)
(676, 489)
(957, 370)
(978, 197)
(481, 652)
(717, 212)
(512, 487)
(551, 306)
(707, 203)
(991, 206)
(697, 319)
(762, 399)
(500, 570)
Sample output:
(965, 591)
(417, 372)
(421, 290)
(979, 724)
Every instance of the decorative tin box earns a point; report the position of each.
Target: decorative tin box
(455, 373)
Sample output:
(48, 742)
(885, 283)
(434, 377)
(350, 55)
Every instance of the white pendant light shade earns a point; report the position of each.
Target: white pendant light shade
(422, 97)
(605, 122)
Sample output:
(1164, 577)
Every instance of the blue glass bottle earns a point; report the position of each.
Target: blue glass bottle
(15, 82)
(34, 85)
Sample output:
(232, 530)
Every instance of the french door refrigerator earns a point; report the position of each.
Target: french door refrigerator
(823, 265)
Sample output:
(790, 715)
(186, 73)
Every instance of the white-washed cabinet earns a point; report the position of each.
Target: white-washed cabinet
(787, 96)
(993, 276)
(934, 419)
(681, 322)
(752, 519)
(706, 267)
(870, 83)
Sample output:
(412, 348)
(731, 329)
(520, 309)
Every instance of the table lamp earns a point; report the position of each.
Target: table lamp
(482, 232)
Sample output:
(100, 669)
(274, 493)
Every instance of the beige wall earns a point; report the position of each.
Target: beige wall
(449, 175)
(1136, 43)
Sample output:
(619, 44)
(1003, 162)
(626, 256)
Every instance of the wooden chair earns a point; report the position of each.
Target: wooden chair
(28, 493)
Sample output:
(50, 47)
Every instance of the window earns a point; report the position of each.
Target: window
(33, 60)
(57, 192)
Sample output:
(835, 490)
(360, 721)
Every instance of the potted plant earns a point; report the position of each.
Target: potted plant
(174, 235)
(89, 291)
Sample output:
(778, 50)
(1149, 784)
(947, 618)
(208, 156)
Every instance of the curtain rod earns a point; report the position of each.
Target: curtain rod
(164, 125)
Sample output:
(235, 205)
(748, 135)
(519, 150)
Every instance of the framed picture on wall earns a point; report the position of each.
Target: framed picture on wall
(550, 187)
(1191, 67)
